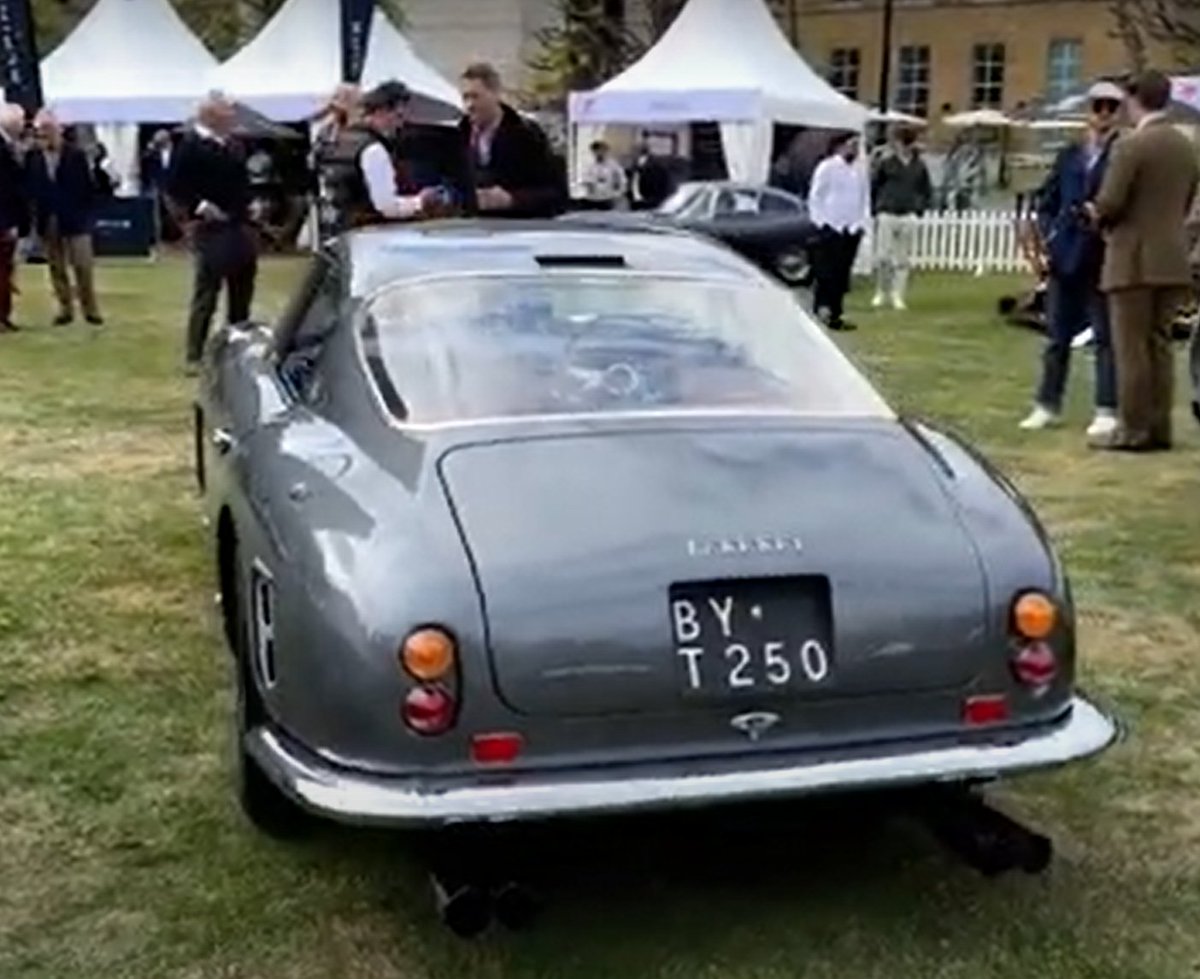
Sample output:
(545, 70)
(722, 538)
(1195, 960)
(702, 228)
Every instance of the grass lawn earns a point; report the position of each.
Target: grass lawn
(122, 853)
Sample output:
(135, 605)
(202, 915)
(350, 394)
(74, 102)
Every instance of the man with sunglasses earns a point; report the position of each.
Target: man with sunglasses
(1142, 206)
(1076, 253)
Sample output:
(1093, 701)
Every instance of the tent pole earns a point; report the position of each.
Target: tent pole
(885, 59)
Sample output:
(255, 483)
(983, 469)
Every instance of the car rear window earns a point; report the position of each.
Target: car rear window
(465, 349)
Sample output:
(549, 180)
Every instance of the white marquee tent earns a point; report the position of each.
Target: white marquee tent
(291, 67)
(127, 61)
(725, 61)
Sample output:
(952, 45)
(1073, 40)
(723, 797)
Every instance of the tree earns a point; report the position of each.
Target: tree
(580, 49)
(1128, 30)
(1173, 24)
(660, 14)
(588, 43)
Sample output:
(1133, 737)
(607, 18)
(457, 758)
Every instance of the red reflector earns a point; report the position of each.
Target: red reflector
(991, 709)
(1035, 665)
(496, 749)
(428, 710)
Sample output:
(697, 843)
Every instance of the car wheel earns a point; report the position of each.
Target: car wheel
(793, 267)
(264, 804)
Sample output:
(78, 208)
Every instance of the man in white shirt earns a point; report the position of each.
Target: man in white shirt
(839, 204)
(360, 172)
(604, 180)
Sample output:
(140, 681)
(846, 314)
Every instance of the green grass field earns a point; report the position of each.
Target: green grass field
(122, 853)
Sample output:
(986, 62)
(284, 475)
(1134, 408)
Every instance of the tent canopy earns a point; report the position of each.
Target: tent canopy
(291, 67)
(724, 61)
(127, 61)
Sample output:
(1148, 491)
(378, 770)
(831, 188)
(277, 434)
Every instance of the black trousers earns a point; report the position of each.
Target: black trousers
(833, 260)
(225, 255)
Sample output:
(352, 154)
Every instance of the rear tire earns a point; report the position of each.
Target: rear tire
(266, 806)
(793, 267)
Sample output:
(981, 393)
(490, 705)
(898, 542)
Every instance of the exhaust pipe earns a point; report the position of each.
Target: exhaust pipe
(516, 905)
(985, 838)
(463, 907)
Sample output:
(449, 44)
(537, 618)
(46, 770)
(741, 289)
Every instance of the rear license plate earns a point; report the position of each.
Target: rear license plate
(756, 636)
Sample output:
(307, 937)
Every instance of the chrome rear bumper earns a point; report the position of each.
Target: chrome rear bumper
(355, 797)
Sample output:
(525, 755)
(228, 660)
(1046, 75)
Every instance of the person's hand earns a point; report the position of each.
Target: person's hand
(494, 199)
(1090, 212)
(430, 199)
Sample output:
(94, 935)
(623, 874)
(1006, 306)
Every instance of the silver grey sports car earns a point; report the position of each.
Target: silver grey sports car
(517, 521)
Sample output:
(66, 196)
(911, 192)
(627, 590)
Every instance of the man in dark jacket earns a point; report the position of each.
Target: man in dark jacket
(59, 179)
(209, 184)
(1076, 254)
(901, 192)
(14, 206)
(514, 172)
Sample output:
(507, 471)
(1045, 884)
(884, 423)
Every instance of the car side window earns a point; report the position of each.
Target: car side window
(300, 361)
(778, 204)
(698, 206)
(737, 202)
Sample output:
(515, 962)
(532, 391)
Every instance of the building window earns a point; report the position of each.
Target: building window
(987, 76)
(1064, 67)
(912, 80)
(843, 71)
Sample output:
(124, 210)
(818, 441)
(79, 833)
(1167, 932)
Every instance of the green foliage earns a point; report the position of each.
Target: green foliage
(584, 47)
(579, 51)
(1173, 24)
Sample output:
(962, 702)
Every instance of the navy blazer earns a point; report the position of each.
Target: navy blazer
(1075, 249)
(68, 195)
(14, 203)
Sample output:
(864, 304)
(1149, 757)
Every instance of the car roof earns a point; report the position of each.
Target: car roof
(390, 254)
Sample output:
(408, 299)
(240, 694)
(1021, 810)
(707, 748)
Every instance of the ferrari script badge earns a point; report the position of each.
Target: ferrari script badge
(755, 724)
(766, 544)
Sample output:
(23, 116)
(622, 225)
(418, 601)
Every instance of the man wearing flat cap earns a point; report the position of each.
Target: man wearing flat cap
(1075, 252)
(360, 171)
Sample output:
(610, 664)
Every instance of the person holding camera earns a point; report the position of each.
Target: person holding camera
(1075, 250)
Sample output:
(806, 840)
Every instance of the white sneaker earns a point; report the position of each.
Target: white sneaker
(877, 302)
(1038, 419)
(898, 303)
(1104, 424)
(1084, 339)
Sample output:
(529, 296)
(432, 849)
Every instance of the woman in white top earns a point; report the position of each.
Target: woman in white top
(839, 204)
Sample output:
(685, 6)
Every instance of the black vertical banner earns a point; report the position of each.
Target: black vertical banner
(356, 32)
(22, 78)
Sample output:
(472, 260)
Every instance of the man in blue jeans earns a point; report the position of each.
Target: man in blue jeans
(1076, 253)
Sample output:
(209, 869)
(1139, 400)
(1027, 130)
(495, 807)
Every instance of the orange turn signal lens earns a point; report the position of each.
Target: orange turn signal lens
(1034, 615)
(428, 654)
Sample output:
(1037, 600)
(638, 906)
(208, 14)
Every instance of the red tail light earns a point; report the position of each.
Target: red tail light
(989, 709)
(1035, 665)
(496, 749)
(429, 710)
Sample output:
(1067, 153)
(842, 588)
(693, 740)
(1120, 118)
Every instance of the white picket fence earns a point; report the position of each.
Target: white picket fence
(977, 242)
